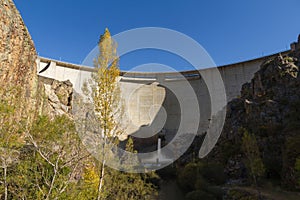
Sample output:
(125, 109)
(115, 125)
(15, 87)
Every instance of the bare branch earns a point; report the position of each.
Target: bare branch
(38, 150)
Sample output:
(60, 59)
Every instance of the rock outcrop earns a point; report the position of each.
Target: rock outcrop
(18, 79)
(58, 98)
(269, 107)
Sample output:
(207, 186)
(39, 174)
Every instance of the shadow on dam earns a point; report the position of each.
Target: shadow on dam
(172, 117)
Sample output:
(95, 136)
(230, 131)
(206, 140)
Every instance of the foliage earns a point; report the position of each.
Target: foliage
(118, 185)
(103, 87)
(200, 179)
(229, 148)
(11, 140)
(89, 184)
(290, 154)
(56, 155)
(103, 90)
(188, 176)
(39, 161)
(200, 175)
(254, 162)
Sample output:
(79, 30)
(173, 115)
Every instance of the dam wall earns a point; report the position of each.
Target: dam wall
(149, 98)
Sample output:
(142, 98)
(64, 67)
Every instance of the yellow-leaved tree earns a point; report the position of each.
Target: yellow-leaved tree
(107, 112)
(103, 88)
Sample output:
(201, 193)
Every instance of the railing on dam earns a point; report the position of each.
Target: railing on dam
(143, 76)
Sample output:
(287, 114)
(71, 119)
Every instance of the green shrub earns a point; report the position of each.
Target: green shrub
(201, 176)
(229, 148)
(290, 154)
(188, 177)
(253, 159)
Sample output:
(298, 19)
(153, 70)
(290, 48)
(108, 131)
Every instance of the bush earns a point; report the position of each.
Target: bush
(188, 177)
(290, 153)
(201, 176)
(228, 149)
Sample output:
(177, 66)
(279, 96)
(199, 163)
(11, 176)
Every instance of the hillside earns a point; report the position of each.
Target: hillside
(268, 108)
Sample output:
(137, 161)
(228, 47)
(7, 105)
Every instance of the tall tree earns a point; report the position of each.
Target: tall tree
(104, 90)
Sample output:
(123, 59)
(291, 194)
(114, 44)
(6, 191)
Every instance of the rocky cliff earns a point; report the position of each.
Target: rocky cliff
(269, 107)
(18, 79)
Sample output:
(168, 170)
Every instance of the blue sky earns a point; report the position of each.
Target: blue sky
(230, 30)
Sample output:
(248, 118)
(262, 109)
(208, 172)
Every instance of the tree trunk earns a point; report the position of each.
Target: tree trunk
(257, 187)
(102, 167)
(101, 180)
(52, 183)
(5, 183)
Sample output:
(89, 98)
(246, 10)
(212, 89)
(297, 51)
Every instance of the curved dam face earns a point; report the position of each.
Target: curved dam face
(149, 99)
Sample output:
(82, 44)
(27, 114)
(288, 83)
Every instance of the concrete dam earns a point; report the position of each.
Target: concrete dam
(149, 98)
